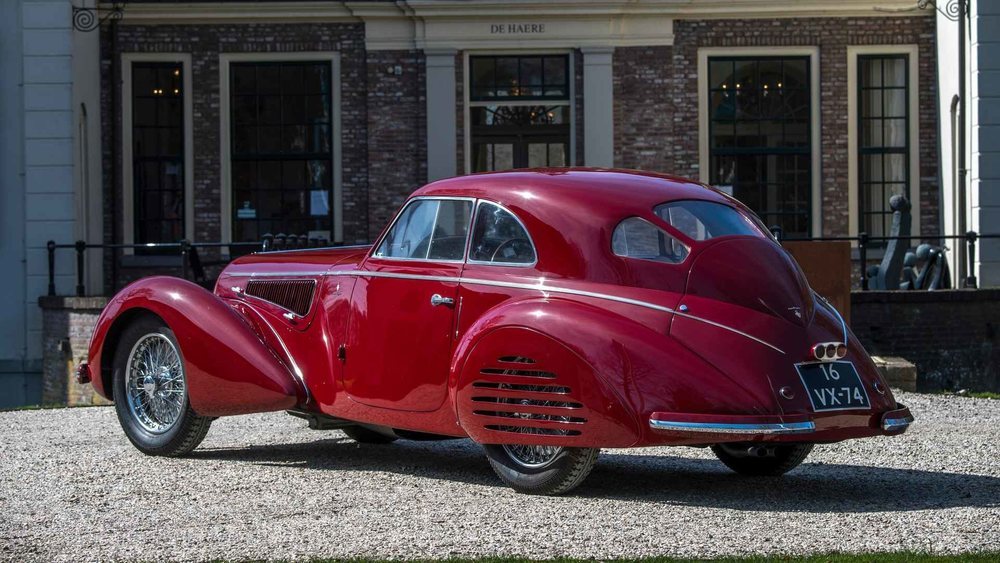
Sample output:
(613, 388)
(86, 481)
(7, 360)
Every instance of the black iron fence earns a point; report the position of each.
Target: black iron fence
(191, 260)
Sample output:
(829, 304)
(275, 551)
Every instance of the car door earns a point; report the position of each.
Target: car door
(403, 308)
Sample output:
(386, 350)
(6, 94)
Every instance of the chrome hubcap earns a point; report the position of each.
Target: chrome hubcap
(533, 457)
(154, 383)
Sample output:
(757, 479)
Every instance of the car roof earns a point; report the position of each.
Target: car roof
(605, 194)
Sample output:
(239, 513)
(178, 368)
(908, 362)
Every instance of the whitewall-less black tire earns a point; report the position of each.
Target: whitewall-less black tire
(761, 460)
(150, 391)
(540, 470)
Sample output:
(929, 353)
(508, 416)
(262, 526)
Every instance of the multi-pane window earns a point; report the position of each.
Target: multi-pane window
(759, 136)
(158, 151)
(883, 130)
(519, 110)
(282, 150)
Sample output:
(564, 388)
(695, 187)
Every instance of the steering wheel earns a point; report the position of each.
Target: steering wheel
(503, 245)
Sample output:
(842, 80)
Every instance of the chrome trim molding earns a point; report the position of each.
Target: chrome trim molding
(843, 325)
(734, 428)
(291, 275)
(514, 285)
(893, 424)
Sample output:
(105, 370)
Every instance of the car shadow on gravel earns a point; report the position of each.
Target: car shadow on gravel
(655, 479)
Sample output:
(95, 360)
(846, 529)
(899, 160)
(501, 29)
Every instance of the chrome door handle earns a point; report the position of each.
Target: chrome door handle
(436, 300)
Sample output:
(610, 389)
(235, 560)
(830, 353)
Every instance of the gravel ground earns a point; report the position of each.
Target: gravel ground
(266, 487)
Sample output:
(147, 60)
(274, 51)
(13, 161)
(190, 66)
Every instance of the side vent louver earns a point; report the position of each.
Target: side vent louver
(294, 295)
(508, 401)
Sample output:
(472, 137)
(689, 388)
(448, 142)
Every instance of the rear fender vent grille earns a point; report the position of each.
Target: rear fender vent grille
(519, 372)
(294, 295)
(551, 389)
(515, 360)
(531, 416)
(529, 402)
(536, 431)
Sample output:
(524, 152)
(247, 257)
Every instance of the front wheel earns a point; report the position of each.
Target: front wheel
(762, 459)
(541, 470)
(151, 392)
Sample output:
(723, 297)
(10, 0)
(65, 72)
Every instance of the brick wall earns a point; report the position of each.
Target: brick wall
(951, 335)
(656, 93)
(205, 43)
(67, 323)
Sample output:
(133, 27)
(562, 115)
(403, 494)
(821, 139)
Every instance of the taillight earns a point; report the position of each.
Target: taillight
(829, 351)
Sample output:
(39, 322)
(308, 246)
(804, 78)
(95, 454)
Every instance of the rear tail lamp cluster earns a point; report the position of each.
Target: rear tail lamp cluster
(829, 351)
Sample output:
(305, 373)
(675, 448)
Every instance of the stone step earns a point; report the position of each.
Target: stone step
(897, 372)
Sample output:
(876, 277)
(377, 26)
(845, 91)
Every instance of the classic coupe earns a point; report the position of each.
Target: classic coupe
(542, 313)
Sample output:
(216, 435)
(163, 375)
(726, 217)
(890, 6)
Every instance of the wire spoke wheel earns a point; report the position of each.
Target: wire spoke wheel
(154, 383)
(534, 457)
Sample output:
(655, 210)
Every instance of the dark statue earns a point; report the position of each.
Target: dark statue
(926, 268)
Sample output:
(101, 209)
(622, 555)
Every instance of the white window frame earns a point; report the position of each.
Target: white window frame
(467, 103)
(128, 188)
(225, 142)
(704, 53)
(853, 52)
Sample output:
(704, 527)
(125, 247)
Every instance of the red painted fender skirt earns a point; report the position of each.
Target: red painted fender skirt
(229, 369)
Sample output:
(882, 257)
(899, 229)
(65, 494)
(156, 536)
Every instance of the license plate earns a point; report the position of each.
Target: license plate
(833, 386)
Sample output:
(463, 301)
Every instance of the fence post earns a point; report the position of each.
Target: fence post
(863, 256)
(776, 232)
(267, 243)
(51, 247)
(81, 246)
(185, 255)
(970, 279)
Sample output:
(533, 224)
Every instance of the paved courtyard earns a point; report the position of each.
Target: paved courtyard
(265, 486)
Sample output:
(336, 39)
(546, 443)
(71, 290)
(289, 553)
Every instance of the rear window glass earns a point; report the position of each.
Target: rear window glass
(703, 220)
(638, 238)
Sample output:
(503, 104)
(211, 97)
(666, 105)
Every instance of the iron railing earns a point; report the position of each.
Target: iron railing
(188, 251)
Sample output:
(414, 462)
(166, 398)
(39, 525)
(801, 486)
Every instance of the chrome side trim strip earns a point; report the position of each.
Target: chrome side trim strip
(893, 424)
(510, 285)
(734, 428)
(843, 325)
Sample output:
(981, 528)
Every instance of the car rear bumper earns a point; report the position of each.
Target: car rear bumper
(818, 427)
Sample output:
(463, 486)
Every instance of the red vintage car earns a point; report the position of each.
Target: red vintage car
(542, 313)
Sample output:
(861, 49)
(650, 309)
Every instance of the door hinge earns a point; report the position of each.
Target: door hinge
(342, 352)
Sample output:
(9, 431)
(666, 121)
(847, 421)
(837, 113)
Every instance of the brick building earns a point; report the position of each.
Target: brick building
(222, 121)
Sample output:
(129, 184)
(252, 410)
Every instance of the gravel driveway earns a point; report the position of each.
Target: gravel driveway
(265, 486)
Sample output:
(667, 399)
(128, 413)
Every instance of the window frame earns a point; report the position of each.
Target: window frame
(126, 128)
(812, 52)
(225, 138)
(469, 103)
(472, 230)
(468, 236)
(854, 52)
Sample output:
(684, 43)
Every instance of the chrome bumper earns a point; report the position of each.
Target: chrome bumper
(733, 428)
(896, 423)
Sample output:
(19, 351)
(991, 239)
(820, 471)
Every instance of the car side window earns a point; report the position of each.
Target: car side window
(499, 238)
(637, 238)
(429, 229)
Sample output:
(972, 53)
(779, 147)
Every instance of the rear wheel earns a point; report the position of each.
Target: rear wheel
(151, 392)
(762, 459)
(541, 470)
(364, 435)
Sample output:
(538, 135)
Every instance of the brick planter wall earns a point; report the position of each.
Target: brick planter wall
(950, 335)
(67, 323)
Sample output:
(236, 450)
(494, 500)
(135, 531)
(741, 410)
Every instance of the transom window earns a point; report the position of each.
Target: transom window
(499, 238)
(429, 229)
(635, 237)
(282, 153)
(519, 111)
(760, 138)
(884, 148)
(158, 152)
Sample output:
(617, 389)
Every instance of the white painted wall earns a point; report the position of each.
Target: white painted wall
(36, 179)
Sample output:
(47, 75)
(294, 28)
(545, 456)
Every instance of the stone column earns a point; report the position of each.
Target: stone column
(67, 324)
(598, 107)
(442, 148)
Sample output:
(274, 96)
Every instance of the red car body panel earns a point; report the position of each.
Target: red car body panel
(581, 348)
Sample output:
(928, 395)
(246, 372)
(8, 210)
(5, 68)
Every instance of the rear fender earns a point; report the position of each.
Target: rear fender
(618, 369)
(229, 369)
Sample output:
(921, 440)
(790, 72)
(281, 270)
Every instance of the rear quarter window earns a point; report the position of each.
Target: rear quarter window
(704, 220)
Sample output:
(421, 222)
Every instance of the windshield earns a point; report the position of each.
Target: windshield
(704, 220)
